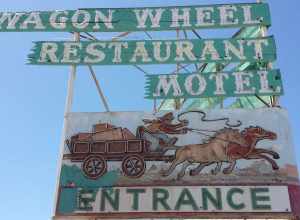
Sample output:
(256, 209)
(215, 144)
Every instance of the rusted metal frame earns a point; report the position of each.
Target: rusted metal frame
(68, 109)
(205, 64)
(274, 99)
(177, 101)
(120, 35)
(263, 101)
(100, 92)
(82, 36)
(92, 72)
(202, 67)
(141, 69)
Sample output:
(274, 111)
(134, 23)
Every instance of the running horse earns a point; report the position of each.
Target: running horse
(252, 136)
(227, 145)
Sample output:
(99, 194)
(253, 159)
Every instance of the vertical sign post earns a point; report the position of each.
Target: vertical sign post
(68, 109)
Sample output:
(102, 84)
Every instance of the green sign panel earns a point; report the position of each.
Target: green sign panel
(138, 19)
(225, 84)
(153, 52)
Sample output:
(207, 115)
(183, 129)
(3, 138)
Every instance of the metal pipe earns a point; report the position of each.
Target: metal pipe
(99, 88)
(68, 109)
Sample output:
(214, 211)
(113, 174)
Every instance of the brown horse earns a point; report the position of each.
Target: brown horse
(214, 151)
(236, 145)
(252, 136)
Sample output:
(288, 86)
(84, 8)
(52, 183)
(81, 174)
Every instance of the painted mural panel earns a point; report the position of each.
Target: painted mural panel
(115, 159)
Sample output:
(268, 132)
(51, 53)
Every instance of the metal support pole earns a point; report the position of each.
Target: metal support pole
(68, 109)
(177, 101)
(264, 31)
(99, 88)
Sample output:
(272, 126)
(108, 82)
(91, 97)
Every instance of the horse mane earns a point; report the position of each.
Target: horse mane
(220, 132)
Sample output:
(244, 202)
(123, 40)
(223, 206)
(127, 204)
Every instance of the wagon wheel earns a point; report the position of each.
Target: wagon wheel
(133, 166)
(94, 166)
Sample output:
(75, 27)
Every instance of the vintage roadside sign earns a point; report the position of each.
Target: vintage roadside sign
(185, 199)
(138, 19)
(177, 164)
(153, 52)
(225, 84)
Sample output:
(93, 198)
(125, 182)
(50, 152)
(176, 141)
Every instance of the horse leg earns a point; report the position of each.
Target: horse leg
(230, 168)
(270, 152)
(175, 162)
(182, 171)
(217, 168)
(200, 167)
(261, 156)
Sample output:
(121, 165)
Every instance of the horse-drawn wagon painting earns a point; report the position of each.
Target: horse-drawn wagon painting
(176, 148)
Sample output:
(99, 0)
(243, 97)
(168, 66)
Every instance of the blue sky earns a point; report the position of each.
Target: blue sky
(33, 98)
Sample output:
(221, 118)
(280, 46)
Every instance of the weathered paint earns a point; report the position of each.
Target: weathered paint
(224, 84)
(137, 19)
(117, 190)
(182, 199)
(153, 52)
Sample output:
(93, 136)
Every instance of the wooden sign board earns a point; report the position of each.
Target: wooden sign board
(137, 19)
(153, 52)
(224, 84)
(177, 164)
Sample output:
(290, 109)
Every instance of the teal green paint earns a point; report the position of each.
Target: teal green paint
(216, 200)
(125, 19)
(74, 174)
(111, 196)
(155, 90)
(186, 199)
(256, 198)
(247, 32)
(230, 195)
(143, 52)
(135, 193)
(85, 198)
(160, 197)
(67, 201)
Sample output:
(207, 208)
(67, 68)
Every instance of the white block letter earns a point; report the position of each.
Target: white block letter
(81, 23)
(71, 52)
(231, 49)
(184, 48)
(157, 50)
(47, 54)
(35, 19)
(142, 16)
(204, 16)
(118, 50)
(59, 23)
(219, 82)
(140, 51)
(166, 82)
(97, 55)
(258, 47)
(200, 80)
(185, 17)
(242, 81)
(227, 15)
(107, 20)
(209, 49)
